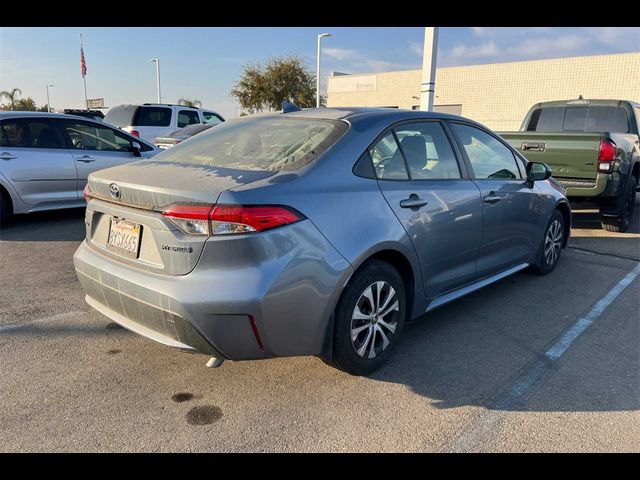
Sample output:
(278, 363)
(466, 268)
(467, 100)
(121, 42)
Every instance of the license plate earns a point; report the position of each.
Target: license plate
(124, 237)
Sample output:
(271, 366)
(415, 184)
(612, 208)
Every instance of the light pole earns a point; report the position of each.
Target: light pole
(48, 101)
(157, 62)
(429, 57)
(320, 36)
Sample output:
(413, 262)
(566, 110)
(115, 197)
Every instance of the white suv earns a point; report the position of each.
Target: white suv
(151, 120)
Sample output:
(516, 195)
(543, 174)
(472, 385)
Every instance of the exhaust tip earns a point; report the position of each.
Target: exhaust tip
(215, 362)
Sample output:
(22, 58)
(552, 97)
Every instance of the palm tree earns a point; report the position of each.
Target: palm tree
(11, 95)
(189, 103)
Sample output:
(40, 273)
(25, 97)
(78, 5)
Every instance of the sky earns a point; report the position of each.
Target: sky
(204, 63)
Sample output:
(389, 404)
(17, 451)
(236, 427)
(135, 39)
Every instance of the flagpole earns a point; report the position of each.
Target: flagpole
(84, 80)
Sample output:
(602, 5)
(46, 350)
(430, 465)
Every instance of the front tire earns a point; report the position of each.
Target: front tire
(620, 224)
(369, 318)
(551, 246)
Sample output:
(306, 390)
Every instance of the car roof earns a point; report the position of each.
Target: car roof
(367, 114)
(23, 113)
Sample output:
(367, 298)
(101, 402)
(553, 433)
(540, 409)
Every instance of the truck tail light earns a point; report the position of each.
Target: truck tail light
(606, 156)
(229, 219)
(135, 133)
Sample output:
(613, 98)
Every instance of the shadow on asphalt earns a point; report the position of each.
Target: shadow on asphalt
(58, 225)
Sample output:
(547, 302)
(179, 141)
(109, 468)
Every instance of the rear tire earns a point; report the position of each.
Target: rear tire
(621, 223)
(551, 245)
(365, 332)
(5, 208)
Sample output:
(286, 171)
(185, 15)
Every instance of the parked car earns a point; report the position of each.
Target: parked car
(152, 120)
(93, 114)
(179, 136)
(317, 232)
(593, 149)
(45, 158)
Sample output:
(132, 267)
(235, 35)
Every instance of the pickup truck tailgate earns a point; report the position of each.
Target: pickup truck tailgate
(570, 155)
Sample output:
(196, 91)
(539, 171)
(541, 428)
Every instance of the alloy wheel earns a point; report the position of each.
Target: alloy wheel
(374, 319)
(553, 242)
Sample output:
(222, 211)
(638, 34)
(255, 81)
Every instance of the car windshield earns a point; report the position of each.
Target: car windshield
(261, 143)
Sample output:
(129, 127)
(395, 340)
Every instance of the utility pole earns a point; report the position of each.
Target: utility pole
(157, 62)
(320, 37)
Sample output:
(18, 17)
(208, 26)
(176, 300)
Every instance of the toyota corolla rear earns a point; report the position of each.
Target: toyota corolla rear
(166, 259)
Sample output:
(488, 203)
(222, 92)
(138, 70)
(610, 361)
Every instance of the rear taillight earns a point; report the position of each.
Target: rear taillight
(154, 141)
(135, 133)
(229, 219)
(606, 155)
(87, 193)
(191, 219)
(241, 219)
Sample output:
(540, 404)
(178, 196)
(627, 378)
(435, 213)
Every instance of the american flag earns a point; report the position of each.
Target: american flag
(83, 64)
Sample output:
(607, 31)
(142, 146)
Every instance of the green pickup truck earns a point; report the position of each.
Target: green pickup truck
(593, 149)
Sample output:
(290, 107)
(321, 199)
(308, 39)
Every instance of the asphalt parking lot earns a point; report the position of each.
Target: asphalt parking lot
(476, 375)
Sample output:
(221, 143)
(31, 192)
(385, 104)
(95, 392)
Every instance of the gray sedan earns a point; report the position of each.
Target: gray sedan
(45, 158)
(317, 232)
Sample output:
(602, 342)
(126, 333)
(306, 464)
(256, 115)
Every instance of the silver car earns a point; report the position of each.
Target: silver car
(317, 232)
(45, 158)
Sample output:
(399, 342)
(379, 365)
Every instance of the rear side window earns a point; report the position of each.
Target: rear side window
(187, 117)
(260, 143)
(152, 117)
(427, 150)
(30, 133)
(387, 159)
(121, 116)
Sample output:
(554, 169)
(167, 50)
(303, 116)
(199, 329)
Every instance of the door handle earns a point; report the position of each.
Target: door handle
(86, 159)
(492, 198)
(7, 156)
(538, 147)
(414, 201)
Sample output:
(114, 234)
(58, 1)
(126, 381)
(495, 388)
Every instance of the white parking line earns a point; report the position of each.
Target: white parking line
(474, 438)
(52, 318)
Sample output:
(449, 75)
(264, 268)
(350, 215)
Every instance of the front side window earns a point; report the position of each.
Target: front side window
(152, 117)
(211, 118)
(187, 117)
(427, 150)
(387, 159)
(260, 143)
(30, 133)
(88, 136)
(489, 158)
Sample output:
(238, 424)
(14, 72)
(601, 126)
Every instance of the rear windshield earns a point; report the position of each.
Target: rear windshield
(261, 143)
(594, 118)
(121, 116)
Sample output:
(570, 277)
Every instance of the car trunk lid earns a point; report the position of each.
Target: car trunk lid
(129, 199)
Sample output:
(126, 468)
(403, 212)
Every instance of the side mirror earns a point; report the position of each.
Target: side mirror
(135, 149)
(537, 172)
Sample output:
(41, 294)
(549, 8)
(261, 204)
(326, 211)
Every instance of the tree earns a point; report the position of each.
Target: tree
(189, 103)
(280, 79)
(25, 104)
(11, 95)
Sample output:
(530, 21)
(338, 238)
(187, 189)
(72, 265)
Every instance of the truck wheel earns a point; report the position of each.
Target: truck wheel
(621, 223)
(369, 318)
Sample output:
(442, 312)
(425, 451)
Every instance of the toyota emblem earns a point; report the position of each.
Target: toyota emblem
(114, 190)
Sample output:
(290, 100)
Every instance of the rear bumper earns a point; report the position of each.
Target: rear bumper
(604, 185)
(288, 281)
